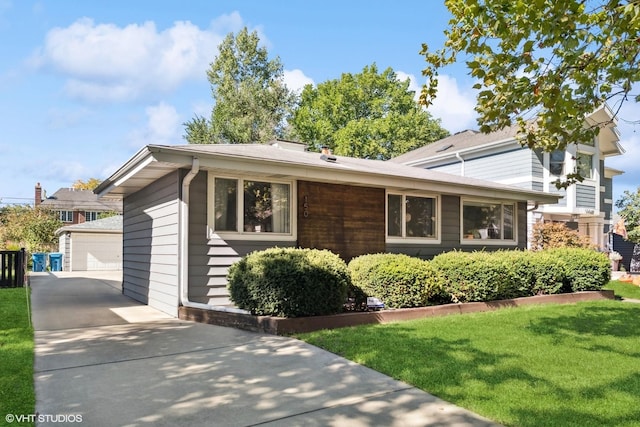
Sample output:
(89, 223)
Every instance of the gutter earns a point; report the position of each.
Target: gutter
(459, 157)
(183, 251)
(479, 148)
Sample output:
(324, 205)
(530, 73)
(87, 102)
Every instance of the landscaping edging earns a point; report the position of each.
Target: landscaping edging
(286, 326)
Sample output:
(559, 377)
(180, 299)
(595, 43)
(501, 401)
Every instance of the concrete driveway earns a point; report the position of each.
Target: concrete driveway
(106, 360)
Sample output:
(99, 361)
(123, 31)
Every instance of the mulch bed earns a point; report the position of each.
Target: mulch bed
(287, 326)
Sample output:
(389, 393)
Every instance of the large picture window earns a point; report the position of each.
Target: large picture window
(488, 221)
(265, 207)
(411, 216)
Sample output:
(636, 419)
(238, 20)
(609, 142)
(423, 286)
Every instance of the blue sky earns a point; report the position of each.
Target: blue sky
(85, 84)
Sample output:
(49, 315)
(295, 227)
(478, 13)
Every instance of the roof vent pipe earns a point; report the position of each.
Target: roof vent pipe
(326, 155)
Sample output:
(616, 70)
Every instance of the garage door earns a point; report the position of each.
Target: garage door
(94, 251)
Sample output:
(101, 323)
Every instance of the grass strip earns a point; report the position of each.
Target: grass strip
(624, 289)
(552, 365)
(17, 395)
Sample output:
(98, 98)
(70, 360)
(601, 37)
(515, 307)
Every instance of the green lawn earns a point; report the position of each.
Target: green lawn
(624, 289)
(16, 356)
(554, 365)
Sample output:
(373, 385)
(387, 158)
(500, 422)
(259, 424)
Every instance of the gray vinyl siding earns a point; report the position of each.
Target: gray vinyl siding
(499, 167)
(537, 165)
(150, 244)
(563, 192)
(450, 241)
(537, 186)
(505, 166)
(452, 168)
(210, 259)
(607, 194)
(585, 196)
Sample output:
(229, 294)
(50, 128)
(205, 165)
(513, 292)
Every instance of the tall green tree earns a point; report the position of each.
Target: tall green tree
(543, 64)
(251, 99)
(368, 115)
(629, 209)
(28, 227)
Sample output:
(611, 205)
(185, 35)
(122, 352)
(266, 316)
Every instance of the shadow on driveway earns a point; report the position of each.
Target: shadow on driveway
(114, 362)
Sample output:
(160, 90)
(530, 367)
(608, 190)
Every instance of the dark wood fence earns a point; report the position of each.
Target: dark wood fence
(13, 267)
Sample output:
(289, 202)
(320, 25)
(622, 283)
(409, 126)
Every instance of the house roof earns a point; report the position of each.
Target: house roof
(85, 200)
(458, 142)
(112, 224)
(471, 140)
(267, 160)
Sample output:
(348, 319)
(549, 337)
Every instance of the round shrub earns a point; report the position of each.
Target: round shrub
(533, 273)
(289, 282)
(398, 280)
(586, 269)
(477, 276)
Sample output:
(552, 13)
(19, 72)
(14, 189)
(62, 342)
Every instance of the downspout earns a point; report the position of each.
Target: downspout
(183, 252)
(459, 157)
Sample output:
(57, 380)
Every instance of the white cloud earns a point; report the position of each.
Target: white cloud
(225, 24)
(296, 80)
(453, 105)
(163, 126)
(202, 108)
(58, 170)
(112, 63)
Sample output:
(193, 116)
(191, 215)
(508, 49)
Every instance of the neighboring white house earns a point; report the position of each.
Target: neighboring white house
(91, 246)
(499, 157)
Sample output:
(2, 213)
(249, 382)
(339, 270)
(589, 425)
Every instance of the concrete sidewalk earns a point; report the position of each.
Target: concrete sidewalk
(113, 362)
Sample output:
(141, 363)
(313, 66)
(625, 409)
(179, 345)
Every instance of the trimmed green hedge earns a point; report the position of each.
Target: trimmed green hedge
(400, 281)
(476, 276)
(504, 274)
(306, 282)
(586, 269)
(289, 282)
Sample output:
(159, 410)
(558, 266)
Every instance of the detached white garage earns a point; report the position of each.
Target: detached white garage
(91, 246)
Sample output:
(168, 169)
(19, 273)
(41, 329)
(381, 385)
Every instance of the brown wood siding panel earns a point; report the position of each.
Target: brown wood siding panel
(347, 220)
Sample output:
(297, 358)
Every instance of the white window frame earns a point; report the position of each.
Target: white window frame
(563, 165)
(592, 174)
(240, 234)
(89, 214)
(408, 239)
(64, 215)
(490, 242)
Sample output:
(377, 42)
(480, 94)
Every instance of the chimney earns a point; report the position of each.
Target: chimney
(38, 197)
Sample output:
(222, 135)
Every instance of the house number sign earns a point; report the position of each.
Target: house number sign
(305, 207)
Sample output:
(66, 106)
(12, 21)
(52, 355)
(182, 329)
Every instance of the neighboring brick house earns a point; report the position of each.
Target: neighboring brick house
(76, 206)
(499, 157)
